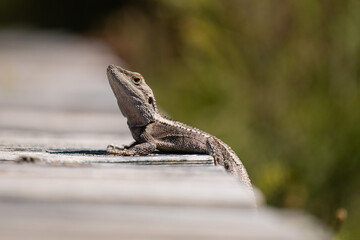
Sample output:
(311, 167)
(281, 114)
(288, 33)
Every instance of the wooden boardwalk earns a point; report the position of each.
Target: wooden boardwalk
(59, 164)
(56, 182)
(62, 185)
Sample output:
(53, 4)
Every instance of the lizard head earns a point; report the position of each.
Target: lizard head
(135, 98)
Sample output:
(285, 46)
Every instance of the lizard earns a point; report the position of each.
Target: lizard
(155, 131)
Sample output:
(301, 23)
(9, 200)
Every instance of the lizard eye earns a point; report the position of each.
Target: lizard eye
(136, 80)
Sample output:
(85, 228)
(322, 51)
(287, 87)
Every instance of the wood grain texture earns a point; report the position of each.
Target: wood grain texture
(55, 221)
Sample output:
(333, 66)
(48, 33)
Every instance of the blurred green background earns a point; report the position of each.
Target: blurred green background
(276, 80)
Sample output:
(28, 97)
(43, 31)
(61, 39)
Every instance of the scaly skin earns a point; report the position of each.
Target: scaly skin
(151, 130)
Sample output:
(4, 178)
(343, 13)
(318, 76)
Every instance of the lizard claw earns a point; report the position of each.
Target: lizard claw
(113, 149)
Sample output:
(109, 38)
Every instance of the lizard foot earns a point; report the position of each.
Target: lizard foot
(113, 149)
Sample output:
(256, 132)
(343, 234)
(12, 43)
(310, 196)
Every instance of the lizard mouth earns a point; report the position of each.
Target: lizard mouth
(122, 88)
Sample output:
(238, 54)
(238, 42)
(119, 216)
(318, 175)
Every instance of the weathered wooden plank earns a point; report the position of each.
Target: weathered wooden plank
(55, 221)
(145, 186)
(16, 140)
(73, 80)
(78, 147)
(62, 122)
(83, 157)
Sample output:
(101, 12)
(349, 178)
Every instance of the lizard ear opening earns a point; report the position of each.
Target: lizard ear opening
(226, 165)
(151, 100)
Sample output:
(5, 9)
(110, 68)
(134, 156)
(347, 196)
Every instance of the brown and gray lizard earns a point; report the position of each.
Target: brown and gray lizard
(151, 130)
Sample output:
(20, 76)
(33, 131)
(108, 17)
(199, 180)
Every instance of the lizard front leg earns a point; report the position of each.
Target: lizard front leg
(135, 149)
